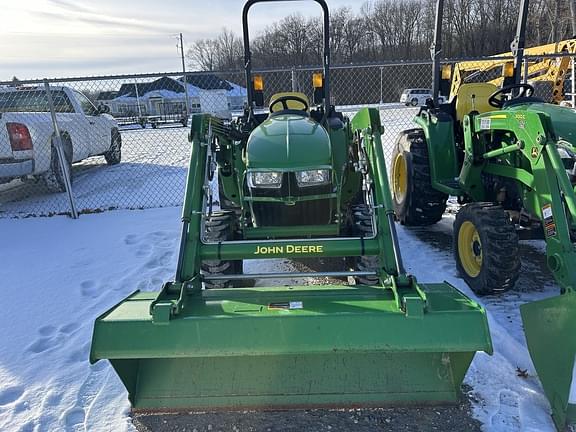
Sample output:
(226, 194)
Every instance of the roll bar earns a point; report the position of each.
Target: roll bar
(248, 54)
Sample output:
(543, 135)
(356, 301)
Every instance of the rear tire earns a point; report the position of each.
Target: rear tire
(114, 155)
(486, 248)
(416, 202)
(221, 226)
(54, 177)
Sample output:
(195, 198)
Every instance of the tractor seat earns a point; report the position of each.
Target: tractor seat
(474, 97)
(288, 106)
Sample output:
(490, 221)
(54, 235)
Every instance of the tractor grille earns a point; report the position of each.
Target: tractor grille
(315, 212)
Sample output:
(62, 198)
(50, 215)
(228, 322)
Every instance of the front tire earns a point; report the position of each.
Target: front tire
(415, 201)
(114, 155)
(486, 248)
(414, 102)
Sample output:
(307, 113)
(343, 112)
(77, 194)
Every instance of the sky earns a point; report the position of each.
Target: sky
(67, 38)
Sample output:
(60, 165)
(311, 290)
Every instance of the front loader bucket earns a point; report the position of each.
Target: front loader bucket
(550, 328)
(289, 347)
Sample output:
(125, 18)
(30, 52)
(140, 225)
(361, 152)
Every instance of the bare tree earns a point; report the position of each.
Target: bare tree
(203, 54)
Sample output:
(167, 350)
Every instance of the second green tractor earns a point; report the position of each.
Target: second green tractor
(509, 158)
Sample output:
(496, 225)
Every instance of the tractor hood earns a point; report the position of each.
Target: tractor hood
(288, 142)
(563, 120)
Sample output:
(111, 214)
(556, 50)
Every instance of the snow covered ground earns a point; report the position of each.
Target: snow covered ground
(59, 274)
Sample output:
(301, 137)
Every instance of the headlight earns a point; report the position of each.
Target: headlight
(265, 179)
(313, 177)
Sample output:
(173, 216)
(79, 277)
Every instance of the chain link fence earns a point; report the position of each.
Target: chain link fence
(125, 138)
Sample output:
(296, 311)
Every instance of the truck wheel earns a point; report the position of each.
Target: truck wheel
(221, 226)
(54, 177)
(362, 221)
(114, 155)
(416, 202)
(486, 248)
(414, 102)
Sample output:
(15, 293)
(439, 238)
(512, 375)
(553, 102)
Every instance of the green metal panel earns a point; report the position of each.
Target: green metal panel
(288, 249)
(285, 142)
(338, 346)
(550, 325)
(439, 132)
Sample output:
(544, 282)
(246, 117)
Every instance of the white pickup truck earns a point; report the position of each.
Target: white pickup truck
(27, 146)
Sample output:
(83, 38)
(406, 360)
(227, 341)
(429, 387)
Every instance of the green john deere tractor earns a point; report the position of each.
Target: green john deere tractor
(302, 181)
(510, 159)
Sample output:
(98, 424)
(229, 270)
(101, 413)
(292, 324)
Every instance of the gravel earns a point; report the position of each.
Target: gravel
(456, 418)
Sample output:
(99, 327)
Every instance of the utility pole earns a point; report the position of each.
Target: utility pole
(185, 77)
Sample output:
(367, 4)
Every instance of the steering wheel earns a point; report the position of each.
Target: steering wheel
(284, 101)
(526, 90)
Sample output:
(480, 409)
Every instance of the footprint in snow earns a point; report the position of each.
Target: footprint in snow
(90, 289)
(74, 419)
(42, 344)
(143, 250)
(131, 239)
(69, 328)
(160, 261)
(10, 395)
(48, 330)
(50, 337)
(27, 427)
(508, 416)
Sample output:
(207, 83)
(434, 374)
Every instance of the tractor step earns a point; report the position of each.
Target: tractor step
(289, 347)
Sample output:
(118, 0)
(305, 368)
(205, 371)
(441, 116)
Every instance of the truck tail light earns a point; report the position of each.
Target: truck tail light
(19, 135)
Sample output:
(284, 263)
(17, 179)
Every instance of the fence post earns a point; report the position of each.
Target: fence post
(381, 84)
(572, 83)
(60, 151)
(294, 84)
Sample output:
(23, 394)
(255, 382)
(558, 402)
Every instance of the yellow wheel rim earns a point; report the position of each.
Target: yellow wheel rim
(470, 249)
(400, 177)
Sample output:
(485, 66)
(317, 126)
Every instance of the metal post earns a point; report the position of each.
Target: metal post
(525, 60)
(60, 151)
(436, 49)
(137, 99)
(517, 45)
(294, 86)
(185, 76)
(381, 84)
(573, 84)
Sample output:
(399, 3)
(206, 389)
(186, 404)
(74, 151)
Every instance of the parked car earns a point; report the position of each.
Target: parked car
(27, 146)
(417, 96)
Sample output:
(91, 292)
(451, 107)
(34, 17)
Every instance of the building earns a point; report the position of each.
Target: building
(167, 96)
